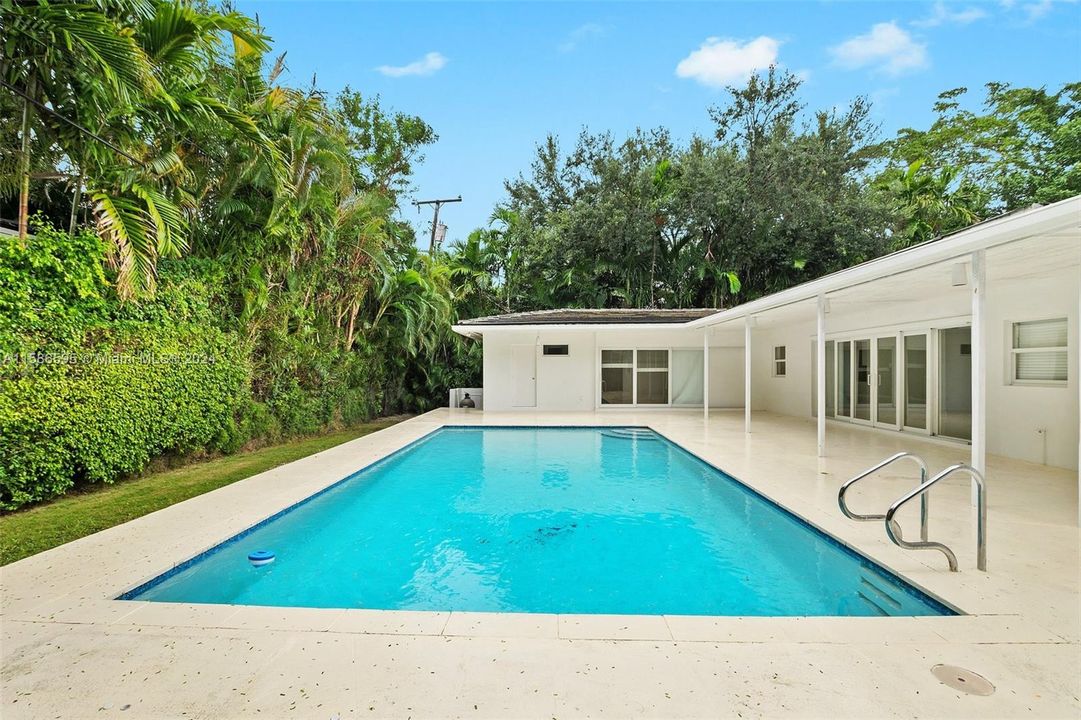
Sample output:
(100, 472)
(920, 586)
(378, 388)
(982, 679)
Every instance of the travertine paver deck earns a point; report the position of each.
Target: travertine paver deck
(70, 651)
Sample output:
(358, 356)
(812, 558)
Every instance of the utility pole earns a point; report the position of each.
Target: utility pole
(436, 204)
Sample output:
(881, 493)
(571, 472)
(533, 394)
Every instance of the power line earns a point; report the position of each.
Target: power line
(435, 218)
(45, 108)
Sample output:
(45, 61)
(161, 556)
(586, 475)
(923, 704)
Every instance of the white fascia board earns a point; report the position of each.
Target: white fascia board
(569, 327)
(1063, 215)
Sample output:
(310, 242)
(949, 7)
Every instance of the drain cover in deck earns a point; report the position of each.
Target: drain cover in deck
(964, 680)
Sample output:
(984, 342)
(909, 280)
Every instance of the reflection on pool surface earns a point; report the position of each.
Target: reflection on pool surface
(554, 520)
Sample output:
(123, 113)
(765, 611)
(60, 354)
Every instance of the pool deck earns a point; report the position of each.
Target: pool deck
(69, 650)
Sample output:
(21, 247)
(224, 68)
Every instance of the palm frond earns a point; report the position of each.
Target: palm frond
(133, 254)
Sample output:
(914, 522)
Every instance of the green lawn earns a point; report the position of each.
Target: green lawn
(71, 517)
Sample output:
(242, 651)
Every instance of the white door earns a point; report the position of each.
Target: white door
(524, 360)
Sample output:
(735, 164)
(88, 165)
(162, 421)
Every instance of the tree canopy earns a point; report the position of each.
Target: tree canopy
(173, 191)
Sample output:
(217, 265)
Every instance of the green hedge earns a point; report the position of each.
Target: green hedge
(93, 415)
(92, 389)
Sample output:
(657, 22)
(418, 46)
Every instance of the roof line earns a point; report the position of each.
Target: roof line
(1008, 228)
(568, 327)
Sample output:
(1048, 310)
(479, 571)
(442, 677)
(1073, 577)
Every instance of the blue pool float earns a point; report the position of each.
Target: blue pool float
(260, 558)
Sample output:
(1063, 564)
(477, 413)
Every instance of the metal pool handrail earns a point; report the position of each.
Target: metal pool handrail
(924, 502)
(893, 529)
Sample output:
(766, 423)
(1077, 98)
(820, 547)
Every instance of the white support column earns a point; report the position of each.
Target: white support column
(979, 364)
(820, 375)
(705, 374)
(747, 374)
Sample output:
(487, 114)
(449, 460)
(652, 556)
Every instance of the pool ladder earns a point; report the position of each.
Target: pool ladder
(893, 528)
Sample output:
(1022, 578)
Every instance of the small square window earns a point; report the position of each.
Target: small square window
(780, 361)
(1039, 353)
(556, 350)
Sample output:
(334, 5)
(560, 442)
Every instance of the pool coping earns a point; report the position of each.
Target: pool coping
(95, 603)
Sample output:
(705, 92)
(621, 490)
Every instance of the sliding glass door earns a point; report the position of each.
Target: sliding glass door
(916, 383)
(844, 379)
(687, 376)
(861, 352)
(886, 381)
(955, 383)
(831, 379)
(862, 380)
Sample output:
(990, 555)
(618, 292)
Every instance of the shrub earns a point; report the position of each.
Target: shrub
(91, 389)
(95, 414)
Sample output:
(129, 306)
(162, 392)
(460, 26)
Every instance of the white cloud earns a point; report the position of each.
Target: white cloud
(885, 48)
(720, 62)
(941, 14)
(1030, 12)
(579, 35)
(427, 65)
(1035, 11)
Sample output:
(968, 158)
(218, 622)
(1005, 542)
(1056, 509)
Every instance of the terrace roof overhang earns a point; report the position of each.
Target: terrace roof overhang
(1057, 220)
(477, 331)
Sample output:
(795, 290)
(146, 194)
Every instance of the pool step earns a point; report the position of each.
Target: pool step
(877, 597)
(630, 434)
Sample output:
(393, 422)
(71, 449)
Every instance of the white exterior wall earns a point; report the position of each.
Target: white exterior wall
(563, 382)
(569, 383)
(790, 394)
(726, 376)
(1015, 413)
(1033, 423)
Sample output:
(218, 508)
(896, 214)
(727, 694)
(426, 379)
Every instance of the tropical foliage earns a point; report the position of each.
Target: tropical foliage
(194, 206)
(189, 203)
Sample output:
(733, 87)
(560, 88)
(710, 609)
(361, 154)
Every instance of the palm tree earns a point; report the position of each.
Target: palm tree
(473, 265)
(116, 86)
(929, 205)
(75, 59)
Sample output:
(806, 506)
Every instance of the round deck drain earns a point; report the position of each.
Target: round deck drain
(964, 680)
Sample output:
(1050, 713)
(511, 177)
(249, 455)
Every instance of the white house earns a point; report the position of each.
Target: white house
(972, 338)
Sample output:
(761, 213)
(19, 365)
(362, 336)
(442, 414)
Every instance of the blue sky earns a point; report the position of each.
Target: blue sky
(494, 78)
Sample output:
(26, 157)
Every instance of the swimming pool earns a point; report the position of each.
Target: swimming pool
(552, 520)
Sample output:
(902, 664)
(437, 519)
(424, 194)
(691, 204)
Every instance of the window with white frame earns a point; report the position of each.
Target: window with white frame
(635, 377)
(1038, 352)
(617, 377)
(780, 361)
(652, 372)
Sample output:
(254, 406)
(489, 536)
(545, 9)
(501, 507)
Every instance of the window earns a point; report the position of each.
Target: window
(652, 377)
(780, 362)
(685, 376)
(617, 375)
(634, 377)
(831, 379)
(556, 350)
(1038, 352)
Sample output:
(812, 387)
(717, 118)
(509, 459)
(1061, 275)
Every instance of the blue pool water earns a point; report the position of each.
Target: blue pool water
(554, 520)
